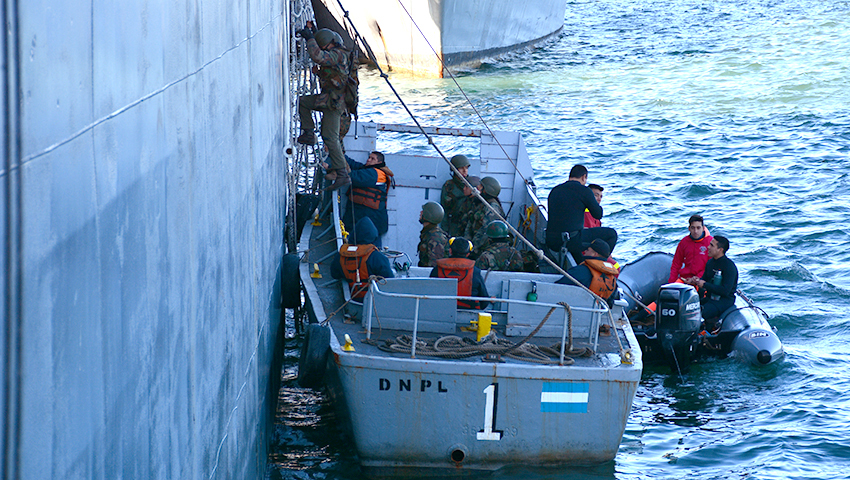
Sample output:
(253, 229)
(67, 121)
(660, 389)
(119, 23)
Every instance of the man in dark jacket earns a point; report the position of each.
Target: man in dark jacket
(470, 283)
(368, 194)
(567, 203)
(358, 261)
(718, 284)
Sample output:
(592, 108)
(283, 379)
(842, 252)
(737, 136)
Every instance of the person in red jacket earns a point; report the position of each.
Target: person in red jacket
(692, 253)
(589, 221)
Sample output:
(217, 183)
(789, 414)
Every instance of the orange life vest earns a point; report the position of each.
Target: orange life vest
(461, 269)
(371, 197)
(353, 258)
(604, 281)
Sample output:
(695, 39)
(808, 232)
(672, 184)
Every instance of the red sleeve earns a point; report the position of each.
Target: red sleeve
(589, 221)
(678, 258)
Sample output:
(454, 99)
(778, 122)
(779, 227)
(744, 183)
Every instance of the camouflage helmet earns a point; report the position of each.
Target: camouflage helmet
(460, 161)
(491, 186)
(432, 212)
(326, 36)
(497, 229)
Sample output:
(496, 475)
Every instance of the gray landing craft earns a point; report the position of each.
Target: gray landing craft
(552, 384)
(675, 337)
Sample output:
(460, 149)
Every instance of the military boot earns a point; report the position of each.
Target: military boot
(342, 179)
(307, 137)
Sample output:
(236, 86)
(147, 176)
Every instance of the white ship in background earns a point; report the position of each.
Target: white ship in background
(406, 34)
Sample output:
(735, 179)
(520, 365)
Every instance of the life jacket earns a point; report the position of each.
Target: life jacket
(353, 258)
(604, 281)
(461, 269)
(372, 197)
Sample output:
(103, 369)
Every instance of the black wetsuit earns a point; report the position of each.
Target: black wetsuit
(718, 298)
(567, 202)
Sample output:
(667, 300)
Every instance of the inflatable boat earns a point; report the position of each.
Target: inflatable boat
(675, 334)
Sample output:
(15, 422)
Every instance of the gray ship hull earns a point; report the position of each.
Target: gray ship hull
(418, 37)
(143, 216)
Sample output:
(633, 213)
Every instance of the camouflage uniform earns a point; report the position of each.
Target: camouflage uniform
(479, 217)
(333, 74)
(451, 198)
(500, 255)
(461, 216)
(432, 245)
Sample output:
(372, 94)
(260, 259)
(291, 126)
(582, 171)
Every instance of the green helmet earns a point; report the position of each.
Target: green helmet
(432, 212)
(326, 36)
(460, 161)
(491, 186)
(497, 229)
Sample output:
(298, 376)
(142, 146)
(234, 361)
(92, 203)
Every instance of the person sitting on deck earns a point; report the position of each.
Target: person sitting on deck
(470, 283)
(357, 262)
(596, 272)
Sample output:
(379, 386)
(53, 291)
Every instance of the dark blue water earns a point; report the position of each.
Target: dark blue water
(738, 110)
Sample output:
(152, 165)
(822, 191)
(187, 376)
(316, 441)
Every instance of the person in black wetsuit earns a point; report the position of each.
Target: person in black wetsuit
(718, 284)
(567, 203)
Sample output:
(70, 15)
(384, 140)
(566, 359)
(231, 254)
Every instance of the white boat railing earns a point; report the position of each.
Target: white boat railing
(375, 290)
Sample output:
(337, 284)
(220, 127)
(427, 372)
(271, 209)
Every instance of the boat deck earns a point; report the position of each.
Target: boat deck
(346, 317)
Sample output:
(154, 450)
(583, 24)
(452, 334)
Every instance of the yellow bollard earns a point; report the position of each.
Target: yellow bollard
(348, 347)
(484, 324)
(315, 273)
(316, 221)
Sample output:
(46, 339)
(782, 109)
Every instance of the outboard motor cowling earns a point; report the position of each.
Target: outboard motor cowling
(678, 323)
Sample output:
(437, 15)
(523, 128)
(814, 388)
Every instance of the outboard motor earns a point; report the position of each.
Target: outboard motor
(678, 323)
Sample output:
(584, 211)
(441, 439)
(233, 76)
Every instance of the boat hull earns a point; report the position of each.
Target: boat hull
(461, 33)
(452, 411)
(434, 414)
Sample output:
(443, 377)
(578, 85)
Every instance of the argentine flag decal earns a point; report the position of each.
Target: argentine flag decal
(566, 397)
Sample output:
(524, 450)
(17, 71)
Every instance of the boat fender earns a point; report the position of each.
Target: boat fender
(314, 355)
(290, 282)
